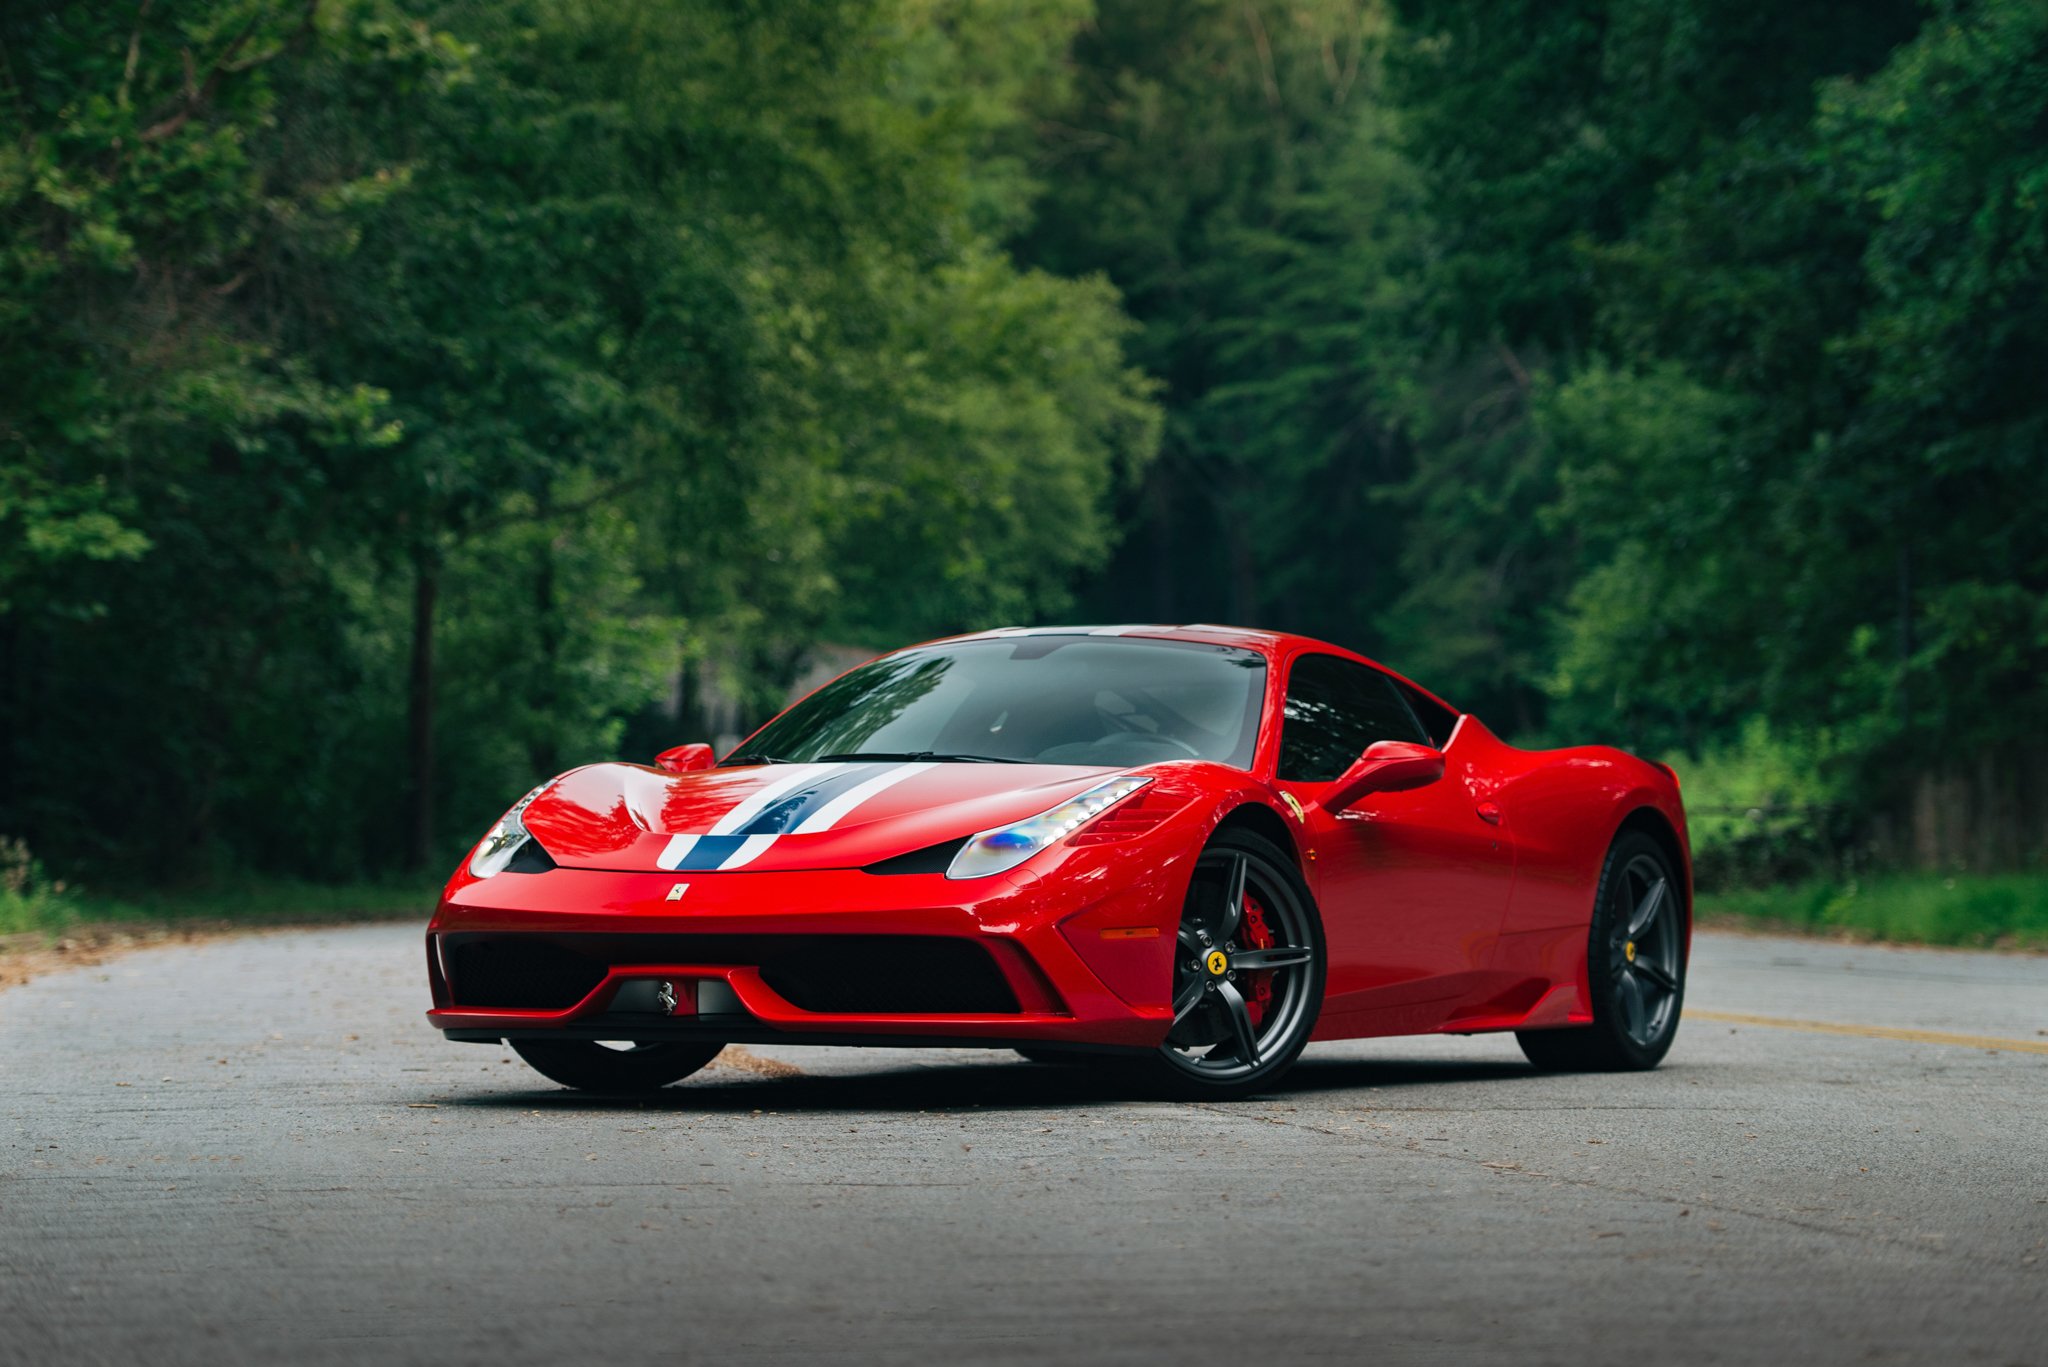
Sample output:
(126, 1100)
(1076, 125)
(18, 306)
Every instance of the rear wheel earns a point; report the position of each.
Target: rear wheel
(1635, 964)
(1247, 972)
(623, 1068)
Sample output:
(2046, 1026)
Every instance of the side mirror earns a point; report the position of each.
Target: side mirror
(1387, 766)
(683, 758)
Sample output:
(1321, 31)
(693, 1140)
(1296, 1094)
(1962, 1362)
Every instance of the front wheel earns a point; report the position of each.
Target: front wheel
(1635, 966)
(1247, 972)
(619, 1069)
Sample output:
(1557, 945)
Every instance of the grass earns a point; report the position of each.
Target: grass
(1978, 911)
(39, 906)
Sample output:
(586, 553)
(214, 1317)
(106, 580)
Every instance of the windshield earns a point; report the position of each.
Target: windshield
(1091, 700)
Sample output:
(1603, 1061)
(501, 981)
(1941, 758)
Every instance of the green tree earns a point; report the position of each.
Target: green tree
(426, 384)
(1232, 168)
(1797, 448)
(172, 472)
(1567, 150)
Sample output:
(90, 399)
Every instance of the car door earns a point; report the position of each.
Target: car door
(1412, 885)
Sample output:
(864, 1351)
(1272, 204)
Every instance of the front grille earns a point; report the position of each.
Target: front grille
(828, 974)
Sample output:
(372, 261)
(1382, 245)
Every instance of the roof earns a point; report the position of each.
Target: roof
(1250, 638)
(1190, 631)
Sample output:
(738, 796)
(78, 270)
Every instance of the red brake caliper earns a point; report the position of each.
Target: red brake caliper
(1257, 985)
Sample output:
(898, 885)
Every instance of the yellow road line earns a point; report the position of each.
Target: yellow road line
(2023, 1046)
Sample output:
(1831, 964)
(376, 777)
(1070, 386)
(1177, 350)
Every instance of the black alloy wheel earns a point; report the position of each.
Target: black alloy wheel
(1635, 964)
(620, 1069)
(1247, 972)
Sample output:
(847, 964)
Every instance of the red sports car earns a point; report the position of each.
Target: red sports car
(1193, 849)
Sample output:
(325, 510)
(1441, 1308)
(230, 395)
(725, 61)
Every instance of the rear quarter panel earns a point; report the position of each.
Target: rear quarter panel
(1563, 808)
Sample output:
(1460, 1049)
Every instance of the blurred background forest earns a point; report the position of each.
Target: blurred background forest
(401, 402)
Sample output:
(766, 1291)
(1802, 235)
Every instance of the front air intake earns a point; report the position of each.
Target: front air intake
(518, 973)
(863, 975)
(888, 975)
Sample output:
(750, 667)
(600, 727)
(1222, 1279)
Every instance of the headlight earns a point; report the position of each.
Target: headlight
(503, 841)
(1005, 847)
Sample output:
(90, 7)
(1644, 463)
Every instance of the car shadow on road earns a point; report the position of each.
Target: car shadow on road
(997, 1084)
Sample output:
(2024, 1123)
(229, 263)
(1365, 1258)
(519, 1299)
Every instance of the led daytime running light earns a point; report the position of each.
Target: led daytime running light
(503, 840)
(1005, 847)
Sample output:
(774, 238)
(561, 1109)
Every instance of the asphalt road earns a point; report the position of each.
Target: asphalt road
(255, 1151)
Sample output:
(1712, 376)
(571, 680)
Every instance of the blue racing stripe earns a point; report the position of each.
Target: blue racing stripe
(710, 851)
(785, 814)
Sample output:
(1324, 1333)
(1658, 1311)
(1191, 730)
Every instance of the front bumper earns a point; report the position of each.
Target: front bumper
(1077, 952)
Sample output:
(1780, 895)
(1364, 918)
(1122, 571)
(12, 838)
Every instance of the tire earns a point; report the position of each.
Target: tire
(1244, 888)
(1635, 966)
(589, 1066)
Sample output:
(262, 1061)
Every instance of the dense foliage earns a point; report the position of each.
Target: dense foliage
(1661, 371)
(399, 401)
(394, 399)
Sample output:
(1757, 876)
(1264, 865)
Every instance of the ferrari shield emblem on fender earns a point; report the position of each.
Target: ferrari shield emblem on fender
(1294, 805)
(675, 894)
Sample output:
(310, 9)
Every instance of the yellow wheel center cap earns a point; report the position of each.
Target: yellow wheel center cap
(1218, 963)
(1629, 951)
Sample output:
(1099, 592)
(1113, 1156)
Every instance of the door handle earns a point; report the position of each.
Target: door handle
(1489, 812)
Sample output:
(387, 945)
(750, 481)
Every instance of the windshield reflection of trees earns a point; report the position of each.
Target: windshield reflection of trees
(1058, 702)
(844, 716)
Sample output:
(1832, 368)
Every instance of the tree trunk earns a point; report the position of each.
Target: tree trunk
(420, 714)
(1905, 563)
(1986, 813)
(545, 751)
(1244, 573)
(1165, 552)
(14, 705)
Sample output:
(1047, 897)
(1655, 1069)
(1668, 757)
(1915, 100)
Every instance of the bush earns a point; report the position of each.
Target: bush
(1764, 809)
(29, 898)
(1979, 911)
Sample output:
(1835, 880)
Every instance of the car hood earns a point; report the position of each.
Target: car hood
(785, 816)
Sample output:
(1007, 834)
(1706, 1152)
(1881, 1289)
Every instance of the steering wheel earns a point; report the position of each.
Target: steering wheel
(1155, 738)
(1119, 727)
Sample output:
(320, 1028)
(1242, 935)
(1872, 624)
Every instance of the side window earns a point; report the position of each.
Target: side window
(1436, 719)
(1335, 708)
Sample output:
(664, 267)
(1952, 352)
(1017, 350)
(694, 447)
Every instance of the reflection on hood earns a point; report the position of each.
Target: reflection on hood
(784, 816)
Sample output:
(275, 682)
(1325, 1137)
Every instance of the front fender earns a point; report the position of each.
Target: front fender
(1124, 900)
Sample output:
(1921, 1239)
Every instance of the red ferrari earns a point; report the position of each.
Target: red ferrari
(1191, 849)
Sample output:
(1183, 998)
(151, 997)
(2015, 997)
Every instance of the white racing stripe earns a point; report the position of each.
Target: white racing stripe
(829, 815)
(675, 852)
(754, 848)
(757, 801)
(746, 809)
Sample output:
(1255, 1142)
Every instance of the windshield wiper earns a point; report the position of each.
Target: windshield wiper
(928, 756)
(754, 757)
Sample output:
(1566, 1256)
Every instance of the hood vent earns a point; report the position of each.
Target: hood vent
(931, 859)
(530, 858)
